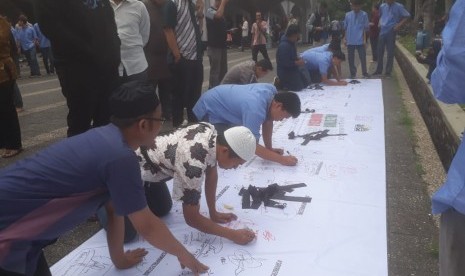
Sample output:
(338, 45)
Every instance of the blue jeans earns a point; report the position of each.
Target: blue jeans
(47, 57)
(31, 57)
(388, 41)
(363, 59)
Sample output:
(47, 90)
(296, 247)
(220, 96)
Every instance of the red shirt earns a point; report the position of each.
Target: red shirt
(374, 29)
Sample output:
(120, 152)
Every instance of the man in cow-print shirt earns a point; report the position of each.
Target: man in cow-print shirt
(191, 154)
(185, 155)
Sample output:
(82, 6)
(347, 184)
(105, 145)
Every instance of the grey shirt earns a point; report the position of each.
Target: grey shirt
(242, 73)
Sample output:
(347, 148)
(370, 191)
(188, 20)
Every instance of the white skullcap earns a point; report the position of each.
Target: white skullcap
(242, 141)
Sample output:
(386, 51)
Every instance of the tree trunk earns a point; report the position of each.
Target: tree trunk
(428, 19)
(408, 6)
(418, 11)
(447, 5)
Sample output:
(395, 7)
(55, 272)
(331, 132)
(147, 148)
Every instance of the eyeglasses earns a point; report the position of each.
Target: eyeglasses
(162, 120)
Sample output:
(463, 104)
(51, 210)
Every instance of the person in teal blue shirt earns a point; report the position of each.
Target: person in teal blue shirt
(447, 81)
(46, 50)
(27, 40)
(319, 64)
(355, 26)
(253, 106)
(392, 16)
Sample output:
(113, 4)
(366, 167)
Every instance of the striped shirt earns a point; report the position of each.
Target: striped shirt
(186, 30)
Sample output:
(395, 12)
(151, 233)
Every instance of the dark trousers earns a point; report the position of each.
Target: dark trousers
(41, 268)
(10, 132)
(218, 58)
(310, 37)
(387, 41)
(142, 76)
(165, 93)
(244, 42)
(292, 80)
(31, 57)
(374, 48)
(452, 244)
(18, 99)
(259, 48)
(363, 59)
(188, 75)
(315, 76)
(158, 200)
(49, 61)
(87, 90)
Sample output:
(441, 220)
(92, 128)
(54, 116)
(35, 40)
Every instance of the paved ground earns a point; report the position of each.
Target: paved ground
(411, 230)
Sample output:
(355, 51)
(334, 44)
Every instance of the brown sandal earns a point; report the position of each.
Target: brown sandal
(11, 152)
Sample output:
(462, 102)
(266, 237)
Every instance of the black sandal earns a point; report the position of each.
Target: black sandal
(11, 152)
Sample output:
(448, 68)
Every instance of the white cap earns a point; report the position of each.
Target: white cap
(242, 141)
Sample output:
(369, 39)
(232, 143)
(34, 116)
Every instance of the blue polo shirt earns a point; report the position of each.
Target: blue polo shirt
(320, 61)
(27, 37)
(48, 194)
(43, 40)
(355, 24)
(390, 15)
(322, 48)
(239, 105)
(447, 81)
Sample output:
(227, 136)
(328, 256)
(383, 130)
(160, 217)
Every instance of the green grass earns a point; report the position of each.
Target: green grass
(405, 119)
(434, 250)
(462, 106)
(408, 41)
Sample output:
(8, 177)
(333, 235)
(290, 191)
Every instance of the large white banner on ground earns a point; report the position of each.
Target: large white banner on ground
(340, 229)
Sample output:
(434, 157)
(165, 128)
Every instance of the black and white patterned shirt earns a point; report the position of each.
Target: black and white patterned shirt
(184, 155)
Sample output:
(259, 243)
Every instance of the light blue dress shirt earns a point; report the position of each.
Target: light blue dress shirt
(355, 24)
(322, 48)
(448, 81)
(390, 15)
(315, 60)
(240, 105)
(43, 40)
(27, 37)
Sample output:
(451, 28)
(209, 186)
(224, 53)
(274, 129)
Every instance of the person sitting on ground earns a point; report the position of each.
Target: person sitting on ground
(430, 58)
(247, 72)
(44, 196)
(320, 63)
(189, 155)
(252, 106)
(288, 62)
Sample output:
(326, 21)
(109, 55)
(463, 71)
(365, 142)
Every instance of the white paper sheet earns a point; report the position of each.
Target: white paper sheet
(342, 231)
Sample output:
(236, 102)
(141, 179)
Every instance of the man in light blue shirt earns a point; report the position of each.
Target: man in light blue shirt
(46, 50)
(28, 39)
(252, 106)
(355, 26)
(447, 81)
(320, 63)
(392, 16)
